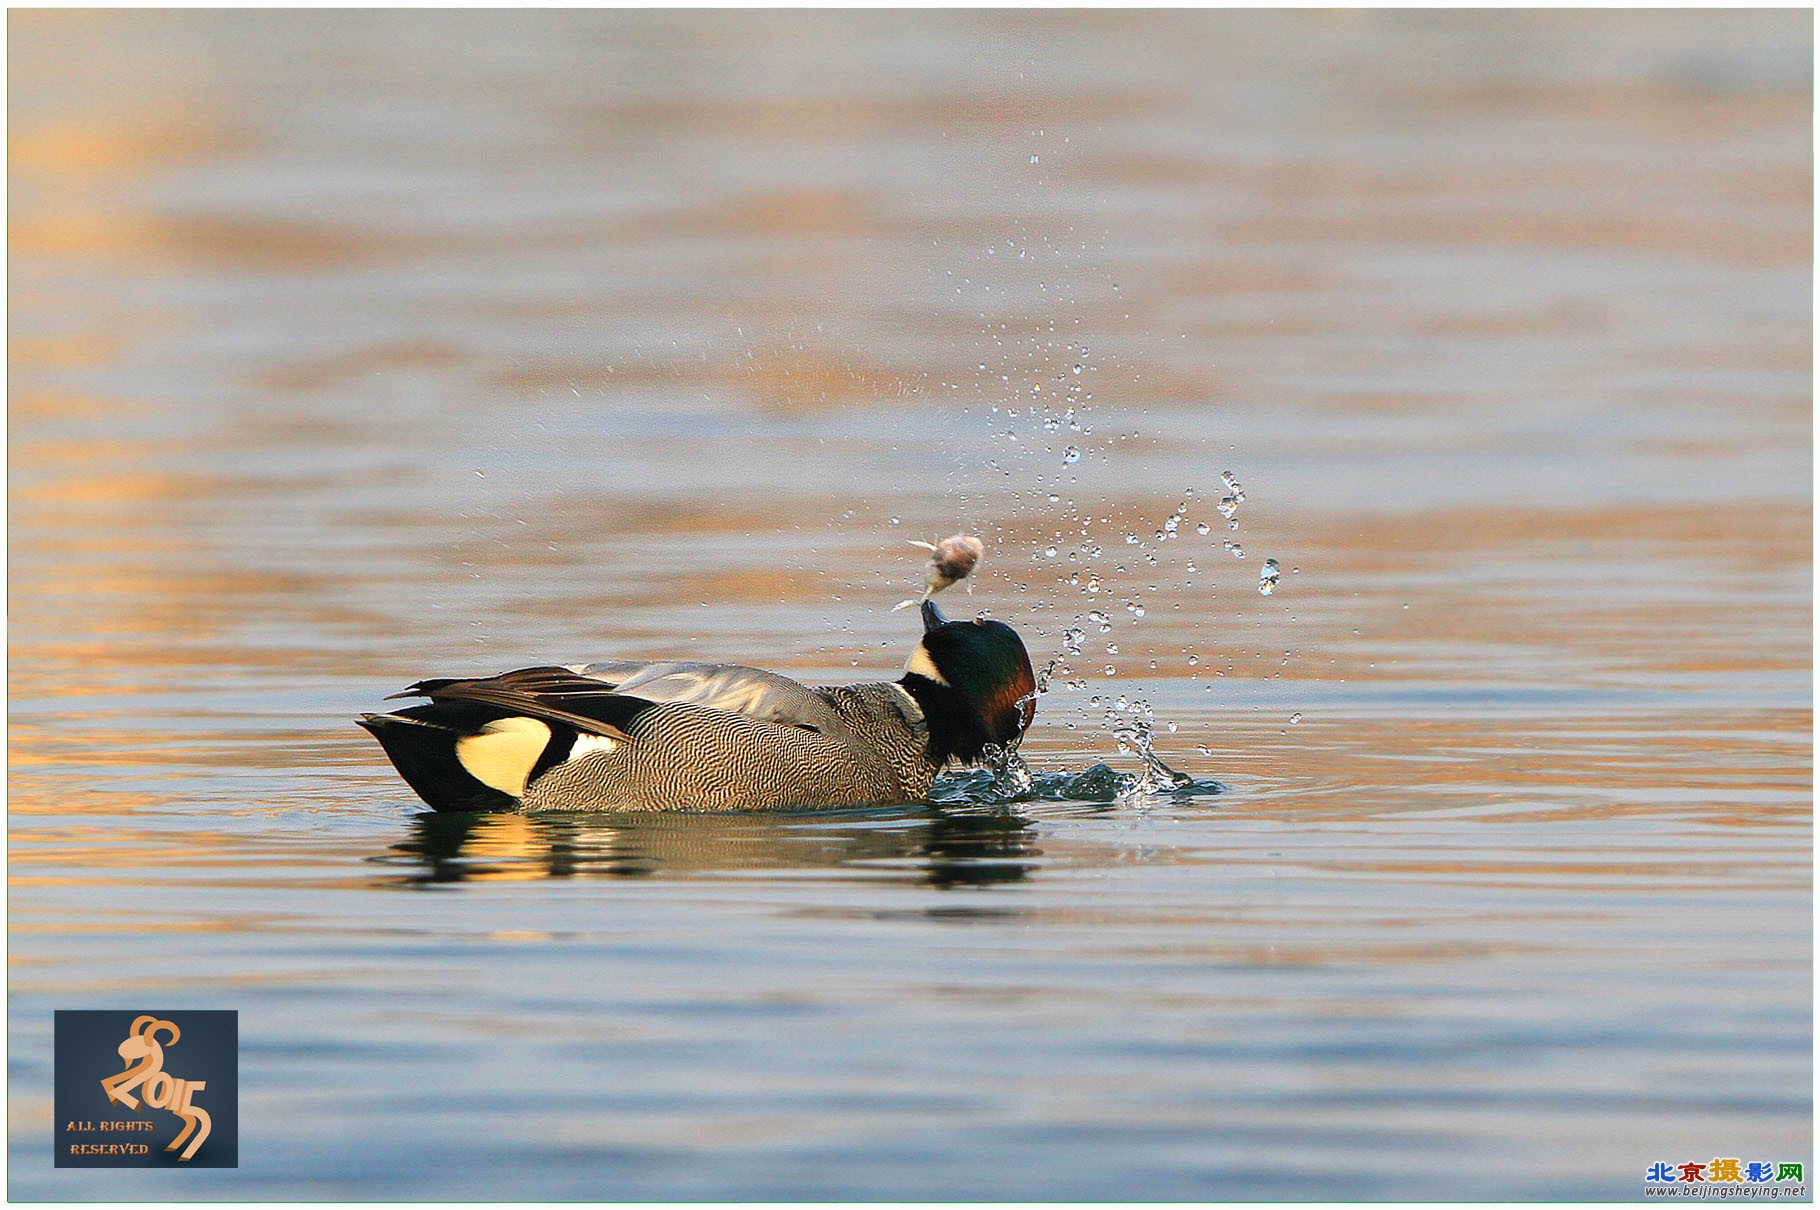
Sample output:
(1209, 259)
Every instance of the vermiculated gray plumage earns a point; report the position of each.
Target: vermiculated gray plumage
(684, 756)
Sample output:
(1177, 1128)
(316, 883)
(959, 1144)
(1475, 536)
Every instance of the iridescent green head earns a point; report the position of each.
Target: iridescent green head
(984, 663)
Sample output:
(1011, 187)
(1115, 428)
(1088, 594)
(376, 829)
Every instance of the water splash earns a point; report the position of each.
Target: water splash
(1172, 523)
(1011, 780)
(1079, 555)
(1133, 725)
(1096, 783)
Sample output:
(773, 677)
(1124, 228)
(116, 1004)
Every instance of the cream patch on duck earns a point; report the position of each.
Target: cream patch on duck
(502, 753)
(922, 665)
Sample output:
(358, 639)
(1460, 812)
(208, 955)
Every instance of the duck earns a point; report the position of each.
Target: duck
(628, 735)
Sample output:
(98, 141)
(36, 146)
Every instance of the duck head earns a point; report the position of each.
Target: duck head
(974, 682)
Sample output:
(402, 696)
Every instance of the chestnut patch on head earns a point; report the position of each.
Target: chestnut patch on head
(1014, 707)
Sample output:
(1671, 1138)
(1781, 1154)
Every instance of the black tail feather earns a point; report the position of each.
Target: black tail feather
(424, 753)
(422, 741)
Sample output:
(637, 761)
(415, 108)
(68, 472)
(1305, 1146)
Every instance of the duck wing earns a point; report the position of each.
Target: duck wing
(555, 695)
(735, 688)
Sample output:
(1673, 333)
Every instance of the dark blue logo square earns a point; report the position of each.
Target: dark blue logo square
(147, 1089)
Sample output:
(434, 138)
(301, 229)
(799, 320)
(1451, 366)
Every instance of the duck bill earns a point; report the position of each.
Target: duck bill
(932, 617)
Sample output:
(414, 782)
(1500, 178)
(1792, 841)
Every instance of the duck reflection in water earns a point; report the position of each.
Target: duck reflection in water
(923, 844)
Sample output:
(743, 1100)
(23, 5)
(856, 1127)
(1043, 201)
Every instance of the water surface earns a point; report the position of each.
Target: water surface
(352, 348)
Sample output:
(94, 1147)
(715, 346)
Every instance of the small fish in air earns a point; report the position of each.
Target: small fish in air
(950, 561)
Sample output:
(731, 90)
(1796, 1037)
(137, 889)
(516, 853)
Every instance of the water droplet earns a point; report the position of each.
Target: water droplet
(1296, 717)
(1203, 528)
(1070, 456)
(1268, 575)
(1111, 671)
(1228, 506)
(1049, 552)
(1105, 623)
(1232, 485)
(1112, 649)
(1234, 549)
(1193, 660)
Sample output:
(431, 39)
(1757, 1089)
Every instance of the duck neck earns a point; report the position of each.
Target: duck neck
(956, 731)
